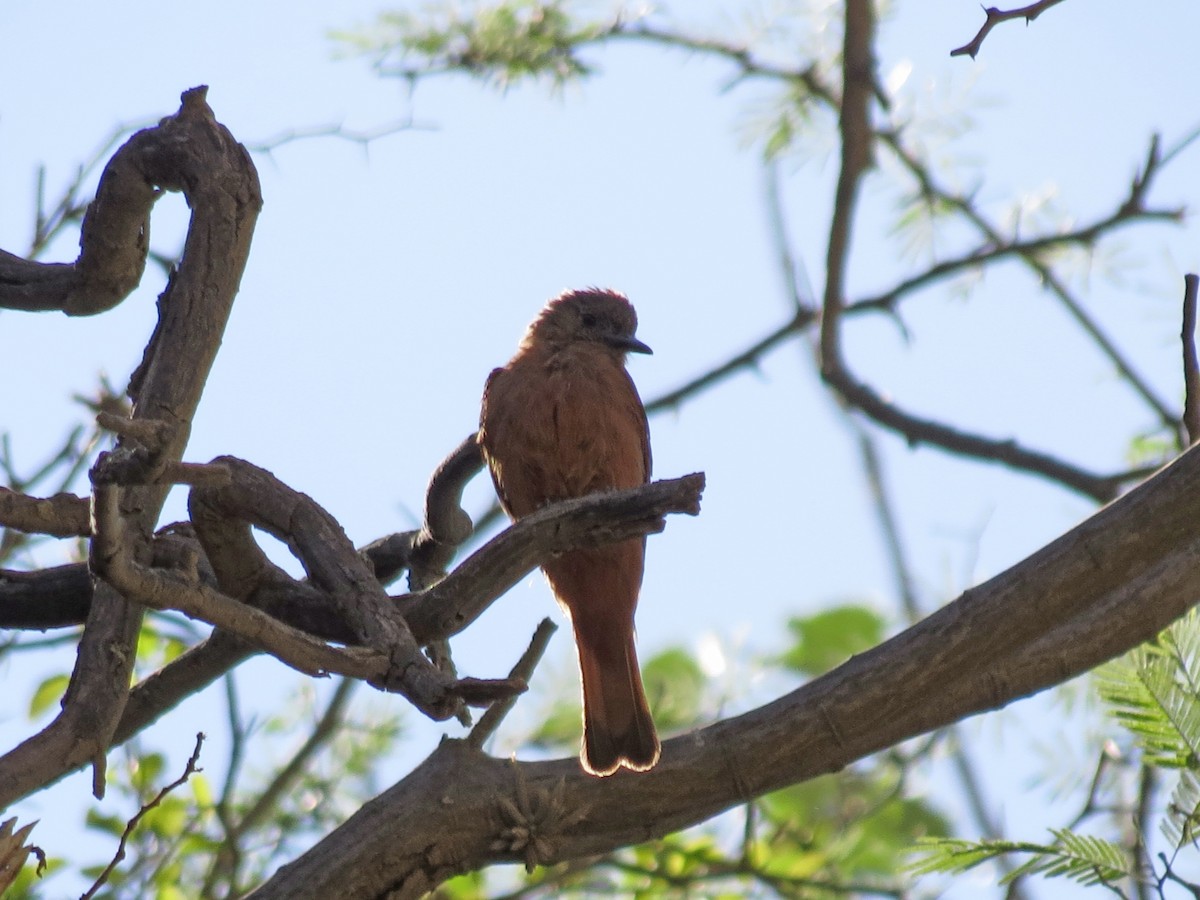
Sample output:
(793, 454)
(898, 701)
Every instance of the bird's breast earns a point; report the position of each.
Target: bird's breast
(563, 426)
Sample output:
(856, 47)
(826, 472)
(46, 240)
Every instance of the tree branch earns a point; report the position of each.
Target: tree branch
(192, 153)
(63, 515)
(995, 17)
(1191, 368)
(439, 612)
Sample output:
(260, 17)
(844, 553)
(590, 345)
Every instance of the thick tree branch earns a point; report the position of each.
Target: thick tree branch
(1104, 587)
(63, 515)
(192, 153)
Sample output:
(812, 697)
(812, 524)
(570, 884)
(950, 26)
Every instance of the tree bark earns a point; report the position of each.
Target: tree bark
(189, 152)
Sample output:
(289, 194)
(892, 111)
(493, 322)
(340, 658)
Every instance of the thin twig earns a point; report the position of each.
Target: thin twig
(1191, 368)
(188, 771)
(363, 136)
(491, 719)
(744, 359)
(995, 17)
(1140, 851)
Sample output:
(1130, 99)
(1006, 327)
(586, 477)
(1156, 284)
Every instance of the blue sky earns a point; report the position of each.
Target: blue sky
(385, 282)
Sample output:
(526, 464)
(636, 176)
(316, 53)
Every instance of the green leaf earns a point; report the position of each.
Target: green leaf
(1079, 857)
(1082, 858)
(502, 42)
(48, 693)
(1152, 692)
(829, 638)
(109, 824)
(201, 790)
(563, 727)
(675, 686)
(146, 771)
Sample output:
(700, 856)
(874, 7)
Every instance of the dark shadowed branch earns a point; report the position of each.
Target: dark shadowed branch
(995, 17)
(188, 152)
(1191, 368)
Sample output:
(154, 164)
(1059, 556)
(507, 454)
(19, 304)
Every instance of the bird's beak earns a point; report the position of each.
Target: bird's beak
(633, 345)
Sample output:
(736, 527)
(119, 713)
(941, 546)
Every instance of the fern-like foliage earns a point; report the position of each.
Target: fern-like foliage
(1154, 693)
(1079, 857)
(1180, 824)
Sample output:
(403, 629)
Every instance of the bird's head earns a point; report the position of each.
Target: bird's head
(591, 315)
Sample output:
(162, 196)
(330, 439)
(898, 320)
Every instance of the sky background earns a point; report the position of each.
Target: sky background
(386, 281)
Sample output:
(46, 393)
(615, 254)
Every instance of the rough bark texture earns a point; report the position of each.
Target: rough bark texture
(192, 153)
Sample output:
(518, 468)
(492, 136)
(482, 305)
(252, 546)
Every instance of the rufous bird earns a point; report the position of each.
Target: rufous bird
(561, 420)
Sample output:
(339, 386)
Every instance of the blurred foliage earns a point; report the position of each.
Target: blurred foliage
(828, 638)
(503, 43)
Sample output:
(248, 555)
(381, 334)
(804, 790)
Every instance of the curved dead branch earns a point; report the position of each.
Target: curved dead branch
(192, 153)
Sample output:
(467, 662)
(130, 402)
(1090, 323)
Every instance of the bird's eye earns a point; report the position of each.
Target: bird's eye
(588, 320)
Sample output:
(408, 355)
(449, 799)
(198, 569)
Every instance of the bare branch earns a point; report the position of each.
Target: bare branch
(132, 824)
(192, 153)
(354, 136)
(523, 670)
(745, 359)
(447, 525)
(63, 515)
(1046, 276)
(1191, 368)
(995, 17)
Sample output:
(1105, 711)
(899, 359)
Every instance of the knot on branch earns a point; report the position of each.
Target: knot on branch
(532, 819)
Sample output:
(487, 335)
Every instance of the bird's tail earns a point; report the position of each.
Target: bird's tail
(617, 728)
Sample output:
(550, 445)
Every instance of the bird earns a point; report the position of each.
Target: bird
(563, 419)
